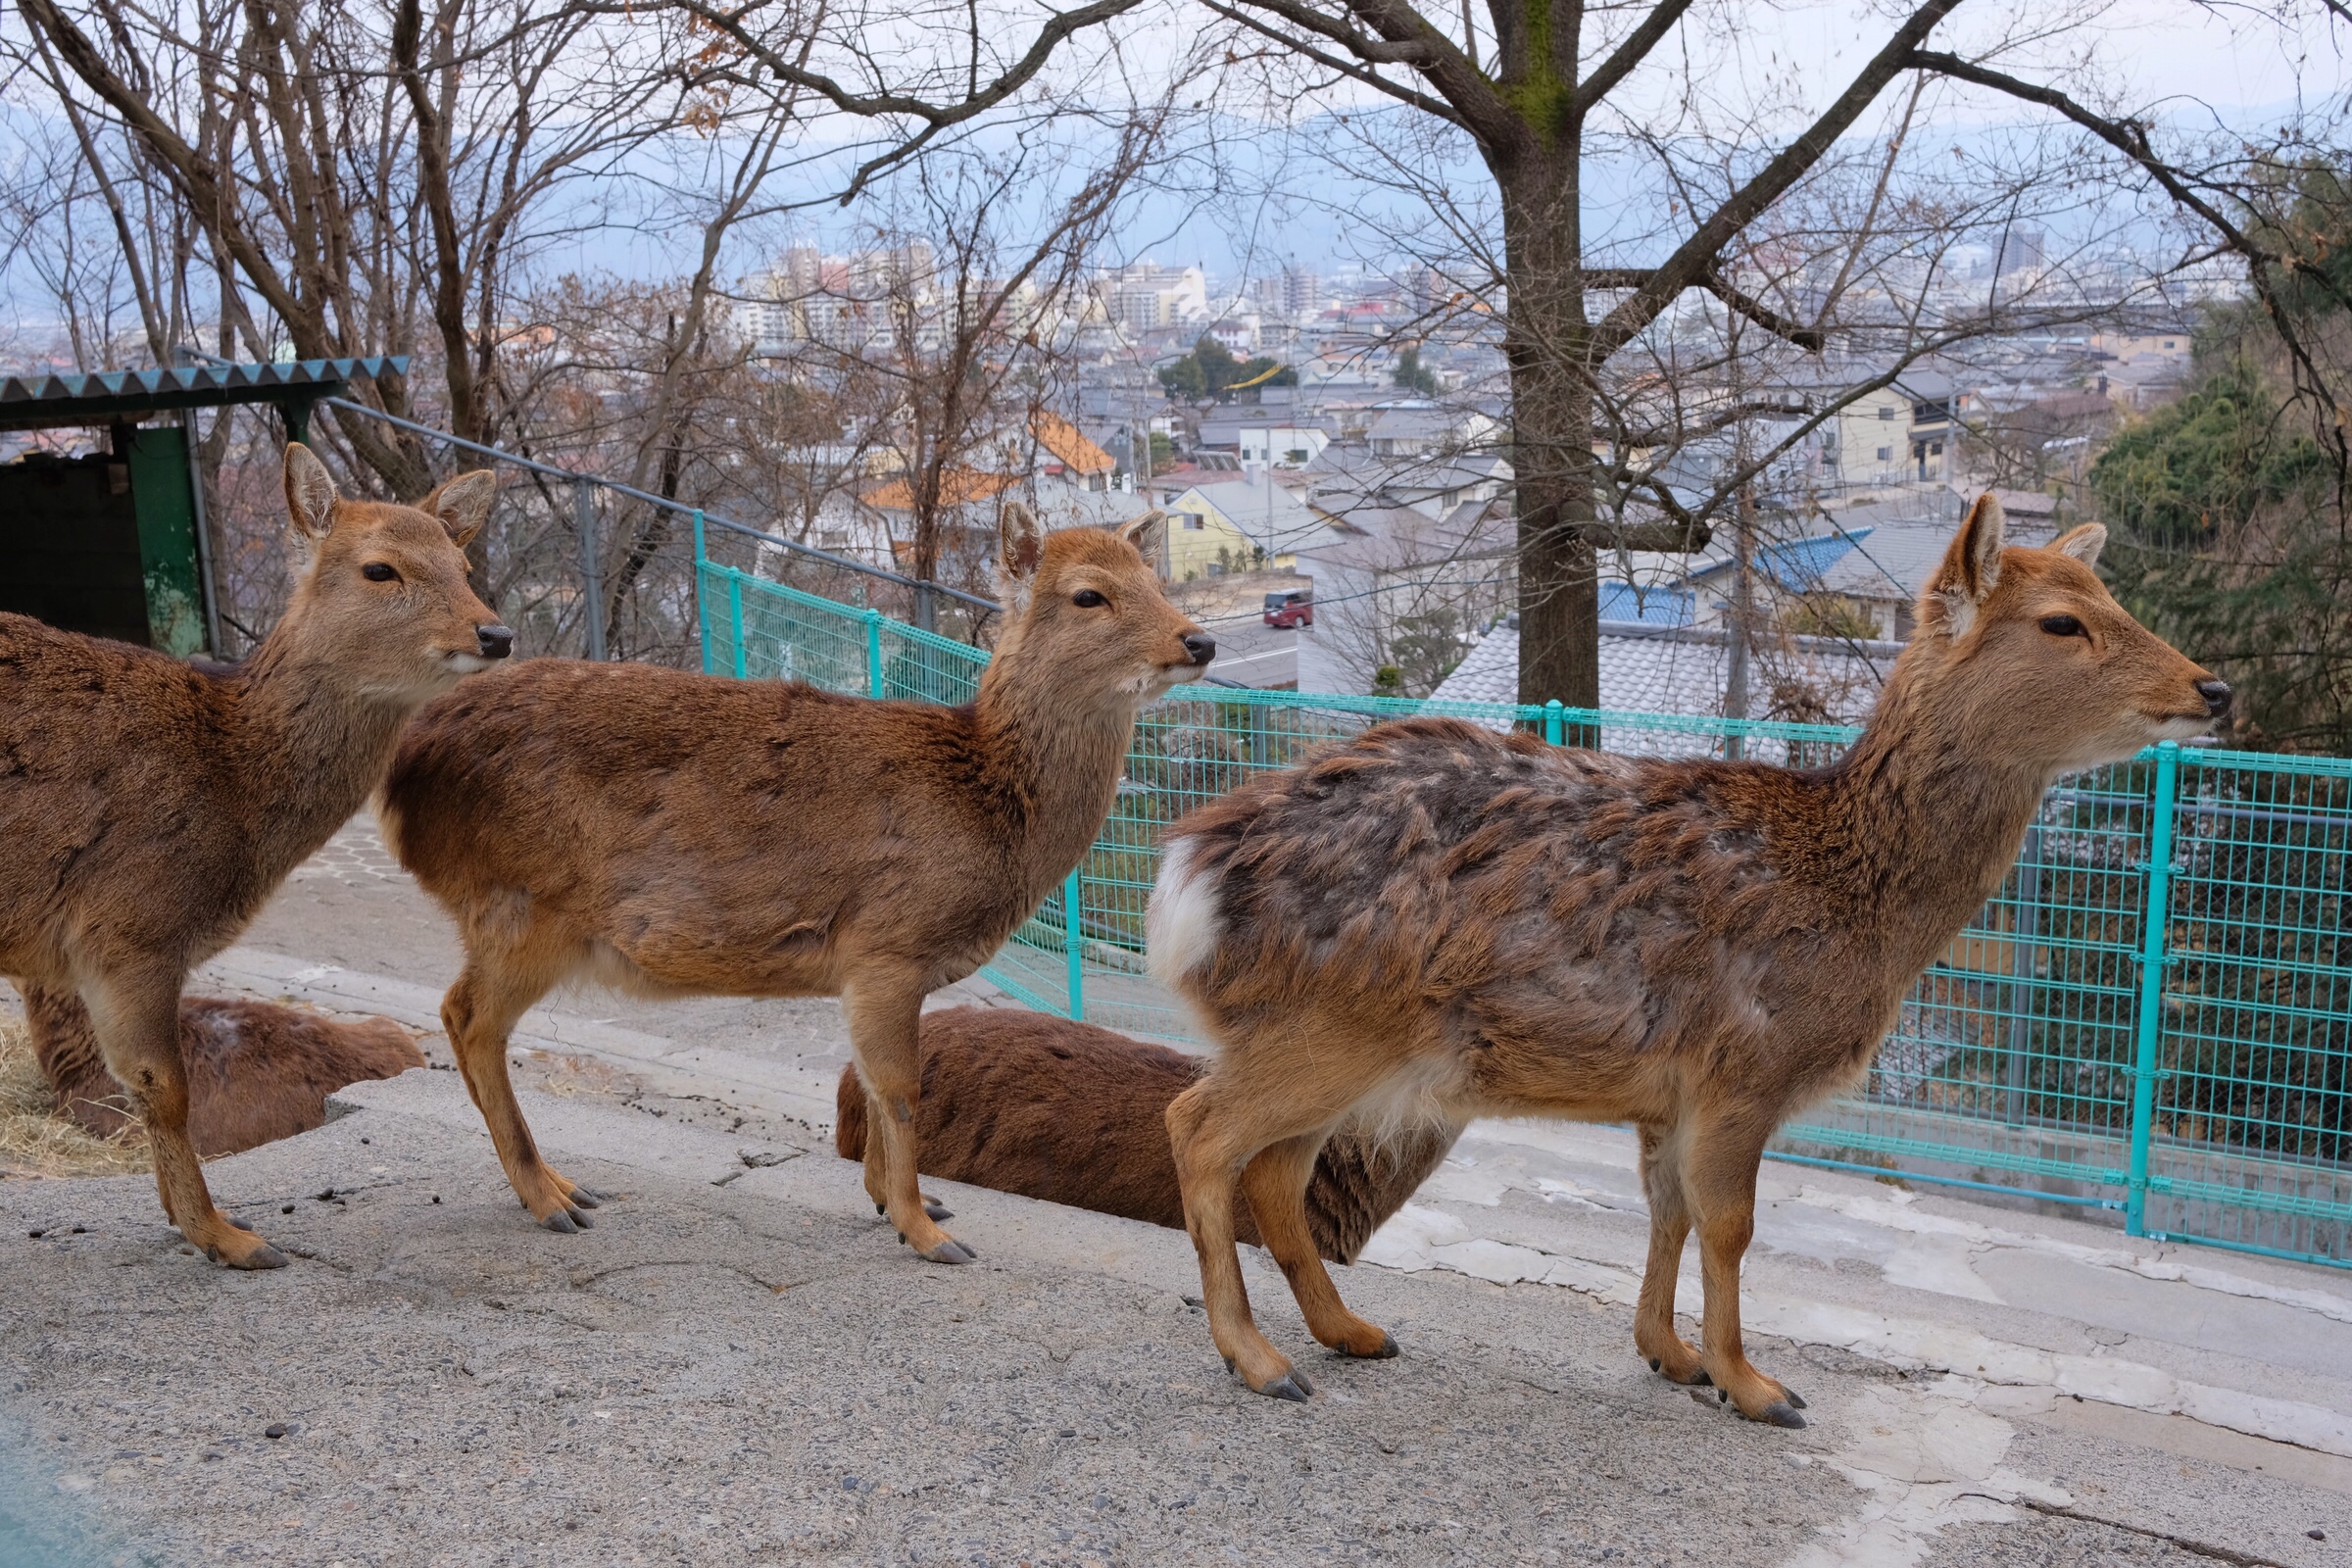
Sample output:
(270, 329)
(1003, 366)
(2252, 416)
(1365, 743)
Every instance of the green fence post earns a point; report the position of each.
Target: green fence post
(2152, 940)
(701, 629)
(1073, 943)
(873, 653)
(1555, 725)
(743, 662)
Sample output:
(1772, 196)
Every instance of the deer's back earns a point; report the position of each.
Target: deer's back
(118, 803)
(702, 828)
(1618, 924)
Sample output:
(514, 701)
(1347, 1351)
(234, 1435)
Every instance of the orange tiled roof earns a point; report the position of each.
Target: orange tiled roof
(958, 486)
(1070, 447)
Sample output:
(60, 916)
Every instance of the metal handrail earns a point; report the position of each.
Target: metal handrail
(633, 493)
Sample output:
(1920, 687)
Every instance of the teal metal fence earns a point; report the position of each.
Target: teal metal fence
(2152, 1016)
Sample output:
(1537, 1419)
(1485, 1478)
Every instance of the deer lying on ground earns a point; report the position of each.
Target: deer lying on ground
(679, 834)
(149, 807)
(1436, 921)
(1048, 1107)
(256, 1071)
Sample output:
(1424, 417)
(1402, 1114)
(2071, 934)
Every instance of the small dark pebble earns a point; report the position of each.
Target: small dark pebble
(1067, 1432)
(362, 1140)
(848, 1483)
(36, 1234)
(437, 1198)
(285, 1208)
(327, 1196)
(2317, 1535)
(80, 1230)
(1192, 1300)
(275, 1429)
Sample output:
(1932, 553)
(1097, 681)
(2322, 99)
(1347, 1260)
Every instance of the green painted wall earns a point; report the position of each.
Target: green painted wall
(161, 490)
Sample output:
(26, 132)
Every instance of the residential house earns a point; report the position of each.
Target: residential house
(1241, 521)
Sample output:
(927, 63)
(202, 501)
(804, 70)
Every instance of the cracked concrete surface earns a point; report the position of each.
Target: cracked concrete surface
(737, 1364)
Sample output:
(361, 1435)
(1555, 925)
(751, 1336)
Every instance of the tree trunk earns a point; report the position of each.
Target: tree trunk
(1545, 340)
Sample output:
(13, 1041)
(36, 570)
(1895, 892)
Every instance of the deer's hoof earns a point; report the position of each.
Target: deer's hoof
(881, 1207)
(261, 1257)
(582, 1197)
(950, 1251)
(1793, 1397)
(565, 1223)
(1291, 1386)
(1386, 1350)
(937, 1210)
(1778, 1414)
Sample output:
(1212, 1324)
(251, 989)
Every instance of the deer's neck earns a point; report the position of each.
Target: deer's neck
(315, 744)
(1055, 754)
(1922, 821)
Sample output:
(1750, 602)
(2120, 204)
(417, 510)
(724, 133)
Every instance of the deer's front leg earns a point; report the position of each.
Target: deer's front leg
(884, 1020)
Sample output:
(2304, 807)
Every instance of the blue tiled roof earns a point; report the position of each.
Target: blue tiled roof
(1650, 607)
(1798, 566)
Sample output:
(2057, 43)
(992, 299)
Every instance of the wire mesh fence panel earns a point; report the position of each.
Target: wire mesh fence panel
(2033, 1058)
(2251, 1135)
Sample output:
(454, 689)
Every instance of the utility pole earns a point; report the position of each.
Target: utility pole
(1738, 624)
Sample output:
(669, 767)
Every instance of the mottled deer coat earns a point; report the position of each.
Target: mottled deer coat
(677, 834)
(1057, 1110)
(1436, 920)
(148, 808)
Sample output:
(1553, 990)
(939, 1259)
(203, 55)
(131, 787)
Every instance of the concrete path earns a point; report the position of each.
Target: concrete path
(740, 1365)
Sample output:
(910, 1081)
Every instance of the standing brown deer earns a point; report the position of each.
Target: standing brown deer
(1060, 1110)
(149, 807)
(679, 834)
(1440, 920)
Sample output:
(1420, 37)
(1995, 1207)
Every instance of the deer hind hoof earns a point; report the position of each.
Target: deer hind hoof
(1793, 1397)
(582, 1197)
(1778, 1414)
(567, 1222)
(261, 1257)
(950, 1251)
(937, 1210)
(1386, 1350)
(1291, 1386)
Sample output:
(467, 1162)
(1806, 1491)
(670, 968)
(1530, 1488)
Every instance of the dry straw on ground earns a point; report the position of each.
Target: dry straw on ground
(35, 1141)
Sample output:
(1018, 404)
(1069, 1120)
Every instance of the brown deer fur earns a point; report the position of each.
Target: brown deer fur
(1049, 1108)
(256, 1071)
(149, 807)
(682, 834)
(1435, 919)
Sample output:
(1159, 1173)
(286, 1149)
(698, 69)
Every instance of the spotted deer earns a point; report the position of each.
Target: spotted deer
(1061, 1110)
(148, 807)
(1436, 921)
(677, 834)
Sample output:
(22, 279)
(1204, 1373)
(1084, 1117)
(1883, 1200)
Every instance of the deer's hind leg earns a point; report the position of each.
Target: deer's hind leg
(1275, 1183)
(1260, 1096)
(504, 976)
(136, 1019)
(1654, 1335)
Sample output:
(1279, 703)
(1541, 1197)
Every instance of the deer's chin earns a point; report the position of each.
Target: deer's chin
(455, 664)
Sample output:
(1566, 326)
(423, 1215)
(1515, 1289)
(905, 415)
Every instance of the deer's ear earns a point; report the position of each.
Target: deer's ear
(1145, 533)
(309, 494)
(1020, 546)
(1971, 569)
(2083, 543)
(463, 505)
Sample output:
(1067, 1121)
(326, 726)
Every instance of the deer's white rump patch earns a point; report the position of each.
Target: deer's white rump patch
(1183, 922)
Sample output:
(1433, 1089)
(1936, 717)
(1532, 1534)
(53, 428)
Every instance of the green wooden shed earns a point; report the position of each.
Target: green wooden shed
(113, 543)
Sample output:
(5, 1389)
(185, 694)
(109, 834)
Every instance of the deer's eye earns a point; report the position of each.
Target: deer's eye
(378, 571)
(1087, 598)
(2062, 625)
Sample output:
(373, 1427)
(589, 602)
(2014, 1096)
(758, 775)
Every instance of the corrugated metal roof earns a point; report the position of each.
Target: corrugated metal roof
(107, 395)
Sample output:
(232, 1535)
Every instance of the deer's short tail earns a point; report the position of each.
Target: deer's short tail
(1185, 920)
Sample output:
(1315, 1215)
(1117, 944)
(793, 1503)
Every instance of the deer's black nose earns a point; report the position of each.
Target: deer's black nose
(497, 641)
(1201, 646)
(2217, 697)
